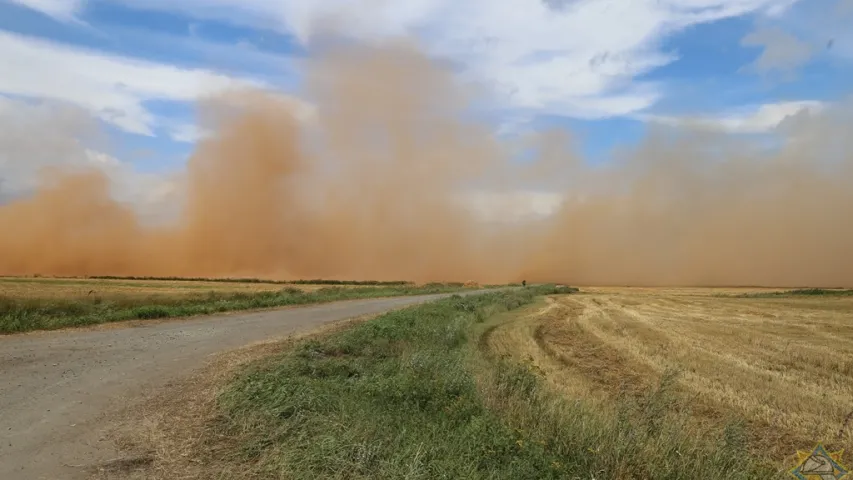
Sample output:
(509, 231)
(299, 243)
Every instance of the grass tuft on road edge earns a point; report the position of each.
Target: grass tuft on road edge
(27, 314)
(410, 395)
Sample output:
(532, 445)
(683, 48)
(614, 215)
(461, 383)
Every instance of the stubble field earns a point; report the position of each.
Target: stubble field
(779, 364)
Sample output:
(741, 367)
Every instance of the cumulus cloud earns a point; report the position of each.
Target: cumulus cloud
(576, 58)
(754, 119)
(113, 88)
(37, 138)
(188, 133)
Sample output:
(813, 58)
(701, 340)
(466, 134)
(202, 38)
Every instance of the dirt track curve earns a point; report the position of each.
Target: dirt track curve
(58, 388)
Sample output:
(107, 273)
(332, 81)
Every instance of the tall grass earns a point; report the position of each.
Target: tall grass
(411, 395)
(26, 314)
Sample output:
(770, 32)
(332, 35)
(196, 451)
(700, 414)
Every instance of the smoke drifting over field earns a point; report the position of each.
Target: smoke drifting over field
(367, 187)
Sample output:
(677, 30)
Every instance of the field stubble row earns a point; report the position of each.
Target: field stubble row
(781, 363)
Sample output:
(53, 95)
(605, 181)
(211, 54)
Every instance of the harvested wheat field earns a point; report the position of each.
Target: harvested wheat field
(36, 303)
(47, 287)
(779, 362)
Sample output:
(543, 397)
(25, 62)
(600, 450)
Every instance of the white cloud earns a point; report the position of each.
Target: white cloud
(576, 59)
(152, 196)
(756, 119)
(35, 136)
(113, 88)
(65, 10)
(188, 133)
(780, 8)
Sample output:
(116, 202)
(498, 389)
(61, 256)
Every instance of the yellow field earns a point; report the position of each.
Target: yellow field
(784, 364)
(19, 287)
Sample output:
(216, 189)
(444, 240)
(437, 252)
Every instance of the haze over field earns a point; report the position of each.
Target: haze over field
(366, 183)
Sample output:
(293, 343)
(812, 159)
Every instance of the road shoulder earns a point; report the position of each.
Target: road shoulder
(158, 436)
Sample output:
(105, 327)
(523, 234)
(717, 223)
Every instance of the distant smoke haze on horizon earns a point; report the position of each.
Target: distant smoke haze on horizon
(375, 181)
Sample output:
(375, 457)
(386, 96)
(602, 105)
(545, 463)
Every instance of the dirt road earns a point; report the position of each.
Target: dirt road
(58, 388)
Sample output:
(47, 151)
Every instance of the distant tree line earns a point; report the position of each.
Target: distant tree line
(257, 280)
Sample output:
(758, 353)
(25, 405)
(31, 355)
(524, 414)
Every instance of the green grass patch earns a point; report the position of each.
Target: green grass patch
(26, 314)
(411, 395)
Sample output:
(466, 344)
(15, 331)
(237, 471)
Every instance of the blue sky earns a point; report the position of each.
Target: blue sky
(606, 69)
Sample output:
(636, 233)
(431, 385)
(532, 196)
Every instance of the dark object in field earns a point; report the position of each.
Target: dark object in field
(524, 283)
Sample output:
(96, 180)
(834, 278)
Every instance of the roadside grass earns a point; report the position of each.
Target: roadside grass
(413, 394)
(21, 314)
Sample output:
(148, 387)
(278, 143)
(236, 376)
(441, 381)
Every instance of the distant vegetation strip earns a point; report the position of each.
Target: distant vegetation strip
(259, 280)
(26, 314)
(817, 292)
(415, 394)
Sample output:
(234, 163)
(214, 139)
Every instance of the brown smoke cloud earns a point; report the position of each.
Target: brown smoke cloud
(368, 187)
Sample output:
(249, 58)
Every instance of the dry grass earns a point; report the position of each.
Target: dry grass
(64, 288)
(28, 304)
(785, 364)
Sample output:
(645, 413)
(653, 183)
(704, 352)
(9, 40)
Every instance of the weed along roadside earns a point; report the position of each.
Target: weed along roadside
(414, 394)
(21, 314)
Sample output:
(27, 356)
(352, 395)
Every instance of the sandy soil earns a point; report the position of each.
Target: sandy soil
(59, 391)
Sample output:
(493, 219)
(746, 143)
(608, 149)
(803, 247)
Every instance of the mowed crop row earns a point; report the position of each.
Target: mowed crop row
(781, 364)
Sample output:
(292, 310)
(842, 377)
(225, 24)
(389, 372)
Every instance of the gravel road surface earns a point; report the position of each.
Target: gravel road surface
(57, 389)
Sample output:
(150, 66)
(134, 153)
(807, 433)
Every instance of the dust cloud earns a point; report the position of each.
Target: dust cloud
(372, 184)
